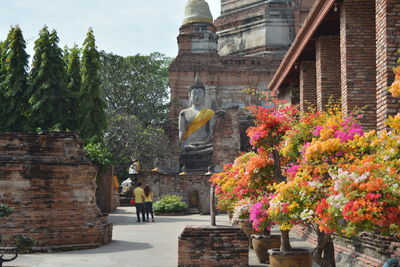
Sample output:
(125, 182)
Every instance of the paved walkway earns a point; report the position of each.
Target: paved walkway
(134, 244)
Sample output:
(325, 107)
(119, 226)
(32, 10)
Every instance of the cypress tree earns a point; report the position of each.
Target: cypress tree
(72, 58)
(14, 82)
(48, 83)
(91, 106)
(3, 48)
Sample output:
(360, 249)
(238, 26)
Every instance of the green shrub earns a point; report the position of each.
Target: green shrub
(99, 154)
(24, 244)
(170, 203)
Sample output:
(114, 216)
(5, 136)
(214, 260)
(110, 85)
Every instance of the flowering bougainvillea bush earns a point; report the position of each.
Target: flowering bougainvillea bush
(329, 140)
(395, 87)
(259, 216)
(241, 211)
(365, 196)
(251, 173)
(339, 178)
(272, 123)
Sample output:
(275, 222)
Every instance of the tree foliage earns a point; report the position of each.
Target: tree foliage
(136, 85)
(13, 81)
(135, 90)
(128, 139)
(48, 88)
(91, 107)
(74, 82)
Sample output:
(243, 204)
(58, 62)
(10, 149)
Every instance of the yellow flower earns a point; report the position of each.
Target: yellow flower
(394, 122)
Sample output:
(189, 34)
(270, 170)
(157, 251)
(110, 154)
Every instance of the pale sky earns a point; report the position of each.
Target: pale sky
(123, 27)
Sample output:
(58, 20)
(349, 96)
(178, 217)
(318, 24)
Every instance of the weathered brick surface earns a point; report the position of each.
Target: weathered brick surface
(387, 44)
(358, 66)
(308, 85)
(367, 250)
(213, 246)
(328, 70)
(106, 196)
(182, 185)
(51, 185)
(226, 139)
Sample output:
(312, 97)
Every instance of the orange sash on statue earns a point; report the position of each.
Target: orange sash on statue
(199, 121)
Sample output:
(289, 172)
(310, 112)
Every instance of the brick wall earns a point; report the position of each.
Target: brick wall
(308, 95)
(358, 66)
(213, 246)
(105, 192)
(226, 140)
(51, 185)
(328, 70)
(368, 250)
(387, 44)
(182, 185)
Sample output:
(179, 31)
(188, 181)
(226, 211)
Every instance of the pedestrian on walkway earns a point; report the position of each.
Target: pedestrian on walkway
(148, 202)
(138, 194)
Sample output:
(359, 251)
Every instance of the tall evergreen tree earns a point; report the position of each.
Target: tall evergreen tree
(13, 83)
(3, 49)
(92, 116)
(74, 81)
(48, 86)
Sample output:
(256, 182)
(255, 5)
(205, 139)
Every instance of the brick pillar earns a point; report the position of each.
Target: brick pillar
(358, 66)
(388, 41)
(308, 96)
(328, 70)
(295, 100)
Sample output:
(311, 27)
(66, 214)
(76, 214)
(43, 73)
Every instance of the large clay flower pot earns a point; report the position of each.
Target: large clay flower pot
(262, 243)
(294, 258)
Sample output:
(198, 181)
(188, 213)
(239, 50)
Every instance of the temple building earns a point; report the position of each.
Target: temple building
(240, 50)
(346, 50)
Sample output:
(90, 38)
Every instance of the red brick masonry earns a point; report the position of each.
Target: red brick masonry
(51, 185)
(213, 246)
(368, 250)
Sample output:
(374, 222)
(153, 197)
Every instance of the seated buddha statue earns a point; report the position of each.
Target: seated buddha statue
(196, 122)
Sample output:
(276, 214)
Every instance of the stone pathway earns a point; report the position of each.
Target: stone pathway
(134, 244)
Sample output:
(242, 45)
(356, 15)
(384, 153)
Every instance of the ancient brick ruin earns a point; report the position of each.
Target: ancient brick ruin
(51, 185)
(213, 246)
(368, 250)
(193, 188)
(241, 49)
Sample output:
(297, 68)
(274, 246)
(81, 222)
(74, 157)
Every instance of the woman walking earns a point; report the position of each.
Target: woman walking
(148, 202)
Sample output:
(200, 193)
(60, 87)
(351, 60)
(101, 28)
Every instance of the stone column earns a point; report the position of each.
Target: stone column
(387, 44)
(328, 70)
(358, 66)
(308, 96)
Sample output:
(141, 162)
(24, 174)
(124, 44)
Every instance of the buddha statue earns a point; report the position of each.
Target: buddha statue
(196, 122)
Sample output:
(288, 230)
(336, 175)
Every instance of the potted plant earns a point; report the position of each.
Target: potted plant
(315, 145)
(260, 222)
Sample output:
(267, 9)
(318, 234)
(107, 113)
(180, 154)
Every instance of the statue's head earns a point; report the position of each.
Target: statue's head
(197, 92)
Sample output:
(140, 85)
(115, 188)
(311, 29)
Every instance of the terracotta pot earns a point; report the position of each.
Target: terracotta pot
(294, 258)
(262, 243)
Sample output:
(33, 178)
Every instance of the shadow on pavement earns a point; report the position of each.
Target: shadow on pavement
(121, 219)
(114, 246)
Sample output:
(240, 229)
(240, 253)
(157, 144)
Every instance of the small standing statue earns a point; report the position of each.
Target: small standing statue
(196, 122)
